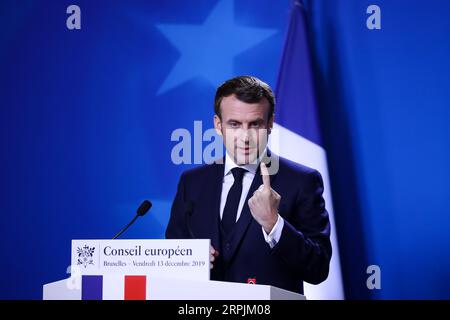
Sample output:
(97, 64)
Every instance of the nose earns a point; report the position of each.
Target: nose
(245, 137)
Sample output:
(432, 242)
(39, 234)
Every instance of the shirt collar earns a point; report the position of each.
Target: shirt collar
(251, 167)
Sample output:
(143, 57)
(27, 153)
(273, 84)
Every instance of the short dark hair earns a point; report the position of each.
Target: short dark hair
(247, 89)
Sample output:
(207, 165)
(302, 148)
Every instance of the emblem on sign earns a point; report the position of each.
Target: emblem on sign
(85, 255)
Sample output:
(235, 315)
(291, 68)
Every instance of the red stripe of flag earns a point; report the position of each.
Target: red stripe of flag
(135, 288)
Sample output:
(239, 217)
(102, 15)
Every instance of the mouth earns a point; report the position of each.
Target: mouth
(245, 150)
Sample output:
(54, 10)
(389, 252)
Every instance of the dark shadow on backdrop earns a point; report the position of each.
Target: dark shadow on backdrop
(336, 133)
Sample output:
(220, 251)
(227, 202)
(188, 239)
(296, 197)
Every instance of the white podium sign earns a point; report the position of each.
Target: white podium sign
(150, 269)
(174, 258)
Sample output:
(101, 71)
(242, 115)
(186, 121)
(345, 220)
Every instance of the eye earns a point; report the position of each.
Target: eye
(234, 125)
(255, 125)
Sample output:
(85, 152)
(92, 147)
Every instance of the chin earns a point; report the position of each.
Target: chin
(246, 158)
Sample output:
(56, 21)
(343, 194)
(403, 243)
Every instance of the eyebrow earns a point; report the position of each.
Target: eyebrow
(258, 120)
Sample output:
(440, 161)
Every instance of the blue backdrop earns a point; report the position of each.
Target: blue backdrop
(86, 119)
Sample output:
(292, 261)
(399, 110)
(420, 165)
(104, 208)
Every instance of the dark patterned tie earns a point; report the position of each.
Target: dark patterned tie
(233, 198)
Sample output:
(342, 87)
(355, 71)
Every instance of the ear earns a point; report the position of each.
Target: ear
(218, 124)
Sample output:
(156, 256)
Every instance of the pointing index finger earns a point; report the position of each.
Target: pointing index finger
(265, 176)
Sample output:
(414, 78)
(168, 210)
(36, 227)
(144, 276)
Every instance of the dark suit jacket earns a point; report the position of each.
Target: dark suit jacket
(304, 250)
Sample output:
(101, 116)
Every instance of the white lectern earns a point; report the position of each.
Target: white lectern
(150, 270)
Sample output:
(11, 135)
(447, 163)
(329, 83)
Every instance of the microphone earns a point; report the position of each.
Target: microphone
(142, 210)
(188, 210)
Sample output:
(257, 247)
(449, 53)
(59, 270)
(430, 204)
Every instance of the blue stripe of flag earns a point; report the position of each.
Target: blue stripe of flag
(296, 103)
(91, 287)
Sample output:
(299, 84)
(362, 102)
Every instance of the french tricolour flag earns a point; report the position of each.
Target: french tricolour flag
(114, 287)
(299, 137)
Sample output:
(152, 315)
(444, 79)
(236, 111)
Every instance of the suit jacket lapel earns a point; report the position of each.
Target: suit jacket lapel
(215, 212)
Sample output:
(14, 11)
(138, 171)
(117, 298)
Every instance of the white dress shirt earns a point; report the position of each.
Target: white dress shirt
(228, 179)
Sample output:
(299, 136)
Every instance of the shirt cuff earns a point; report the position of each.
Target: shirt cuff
(274, 236)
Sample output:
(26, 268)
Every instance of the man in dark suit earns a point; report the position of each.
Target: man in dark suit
(265, 215)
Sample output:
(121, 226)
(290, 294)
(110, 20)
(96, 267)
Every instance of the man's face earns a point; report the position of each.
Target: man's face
(244, 128)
